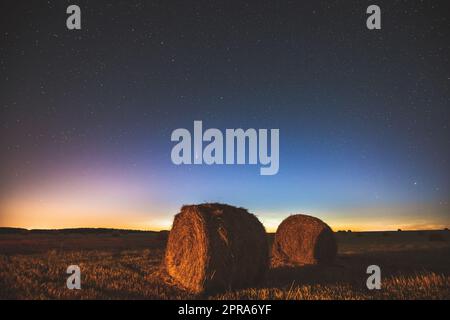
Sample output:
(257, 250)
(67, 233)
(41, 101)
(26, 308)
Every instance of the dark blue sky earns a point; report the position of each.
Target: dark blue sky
(87, 115)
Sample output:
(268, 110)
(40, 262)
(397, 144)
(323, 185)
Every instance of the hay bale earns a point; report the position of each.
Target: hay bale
(215, 247)
(302, 239)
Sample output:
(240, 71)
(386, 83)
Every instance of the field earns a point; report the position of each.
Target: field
(126, 265)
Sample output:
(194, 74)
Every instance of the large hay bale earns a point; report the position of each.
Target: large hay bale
(216, 247)
(302, 239)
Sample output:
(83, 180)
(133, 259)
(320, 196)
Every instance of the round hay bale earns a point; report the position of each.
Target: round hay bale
(302, 239)
(216, 247)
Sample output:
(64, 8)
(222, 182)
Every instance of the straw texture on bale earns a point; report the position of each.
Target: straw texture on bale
(302, 240)
(216, 247)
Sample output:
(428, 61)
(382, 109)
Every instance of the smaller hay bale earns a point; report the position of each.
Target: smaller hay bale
(215, 247)
(303, 240)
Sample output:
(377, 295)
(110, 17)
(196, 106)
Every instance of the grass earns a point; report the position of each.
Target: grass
(127, 266)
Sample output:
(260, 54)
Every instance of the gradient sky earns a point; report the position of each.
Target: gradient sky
(86, 116)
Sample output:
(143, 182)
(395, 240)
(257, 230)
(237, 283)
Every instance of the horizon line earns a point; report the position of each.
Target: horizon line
(159, 230)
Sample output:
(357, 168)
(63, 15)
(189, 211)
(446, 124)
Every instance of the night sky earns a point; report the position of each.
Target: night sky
(86, 115)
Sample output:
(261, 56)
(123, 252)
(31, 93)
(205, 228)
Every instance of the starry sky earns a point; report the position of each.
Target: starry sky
(86, 115)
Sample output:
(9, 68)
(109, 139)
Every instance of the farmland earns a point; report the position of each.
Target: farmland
(120, 264)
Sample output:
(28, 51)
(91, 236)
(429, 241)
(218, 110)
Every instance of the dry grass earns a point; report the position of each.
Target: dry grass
(413, 267)
(421, 286)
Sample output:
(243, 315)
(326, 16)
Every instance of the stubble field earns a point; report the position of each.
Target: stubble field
(126, 265)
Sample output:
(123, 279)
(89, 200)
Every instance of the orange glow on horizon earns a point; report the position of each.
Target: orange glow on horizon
(40, 213)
